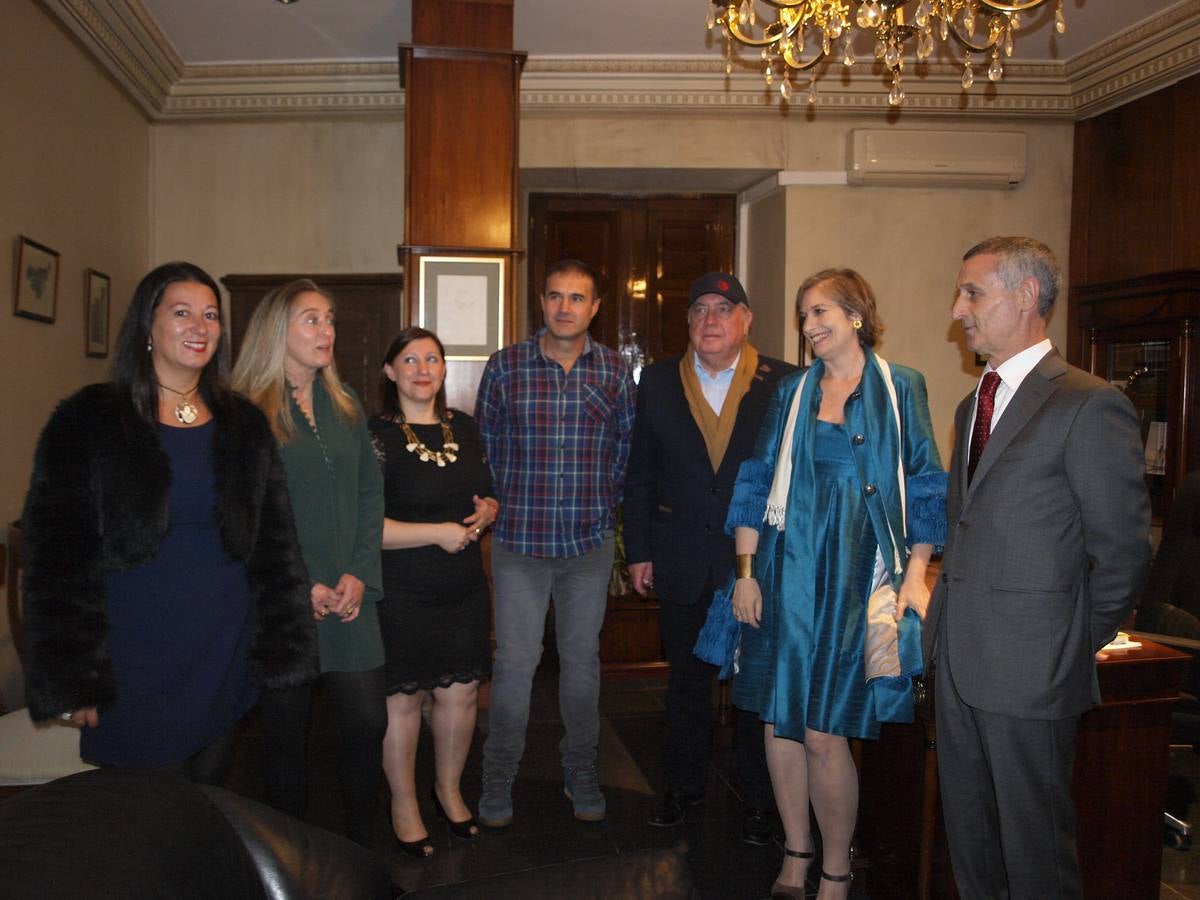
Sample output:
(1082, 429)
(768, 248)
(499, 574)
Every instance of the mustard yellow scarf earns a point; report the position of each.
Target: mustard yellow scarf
(717, 429)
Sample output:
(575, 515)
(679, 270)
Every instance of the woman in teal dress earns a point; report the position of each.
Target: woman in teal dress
(286, 367)
(845, 495)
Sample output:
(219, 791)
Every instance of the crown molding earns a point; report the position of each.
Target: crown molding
(699, 86)
(1137, 62)
(128, 44)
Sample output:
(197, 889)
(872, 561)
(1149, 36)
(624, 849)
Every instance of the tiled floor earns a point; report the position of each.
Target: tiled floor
(544, 831)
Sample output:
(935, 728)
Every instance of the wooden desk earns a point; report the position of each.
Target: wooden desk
(1120, 783)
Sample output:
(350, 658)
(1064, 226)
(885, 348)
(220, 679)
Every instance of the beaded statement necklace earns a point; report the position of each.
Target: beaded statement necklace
(448, 453)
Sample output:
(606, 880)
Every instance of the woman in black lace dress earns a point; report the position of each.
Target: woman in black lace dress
(434, 617)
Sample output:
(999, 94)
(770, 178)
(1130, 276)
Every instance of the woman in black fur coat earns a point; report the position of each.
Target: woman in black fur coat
(163, 582)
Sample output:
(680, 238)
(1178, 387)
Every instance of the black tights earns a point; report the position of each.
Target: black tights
(359, 703)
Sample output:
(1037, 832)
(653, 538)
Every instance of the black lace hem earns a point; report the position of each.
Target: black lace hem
(440, 681)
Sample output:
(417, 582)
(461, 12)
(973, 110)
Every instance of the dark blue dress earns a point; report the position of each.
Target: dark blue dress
(180, 628)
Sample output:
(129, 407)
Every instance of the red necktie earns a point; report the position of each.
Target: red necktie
(983, 421)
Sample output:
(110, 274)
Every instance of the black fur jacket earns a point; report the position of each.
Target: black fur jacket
(98, 502)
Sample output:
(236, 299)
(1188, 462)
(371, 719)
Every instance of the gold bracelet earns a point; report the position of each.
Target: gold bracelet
(744, 565)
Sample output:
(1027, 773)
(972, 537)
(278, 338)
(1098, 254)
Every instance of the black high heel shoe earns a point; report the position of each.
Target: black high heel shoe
(421, 848)
(780, 891)
(460, 829)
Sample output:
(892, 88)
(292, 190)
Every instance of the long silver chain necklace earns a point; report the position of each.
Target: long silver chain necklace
(185, 410)
(448, 453)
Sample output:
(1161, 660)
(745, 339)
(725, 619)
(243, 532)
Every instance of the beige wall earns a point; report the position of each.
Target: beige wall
(73, 166)
(764, 233)
(264, 197)
(906, 241)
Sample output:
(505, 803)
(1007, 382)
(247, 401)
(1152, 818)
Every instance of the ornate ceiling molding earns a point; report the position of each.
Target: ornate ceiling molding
(551, 86)
(126, 41)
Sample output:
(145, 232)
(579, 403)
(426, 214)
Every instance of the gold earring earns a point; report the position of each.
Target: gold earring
(857, 323)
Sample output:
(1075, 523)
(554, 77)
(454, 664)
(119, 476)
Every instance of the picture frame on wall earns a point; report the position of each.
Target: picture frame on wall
(96, 291)
(462, 301)
(37, 280)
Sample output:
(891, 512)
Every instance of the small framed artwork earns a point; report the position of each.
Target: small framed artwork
(462, 301)
(37, 280)
(97, 287)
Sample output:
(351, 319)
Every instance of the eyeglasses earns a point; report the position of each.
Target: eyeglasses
(698, 312)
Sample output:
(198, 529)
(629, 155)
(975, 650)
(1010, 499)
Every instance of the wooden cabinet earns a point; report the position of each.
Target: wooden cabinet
(1141, 334)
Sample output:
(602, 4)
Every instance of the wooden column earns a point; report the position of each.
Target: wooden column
(461, 80)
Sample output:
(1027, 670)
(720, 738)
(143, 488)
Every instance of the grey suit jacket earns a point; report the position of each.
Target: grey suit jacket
(1046, 549)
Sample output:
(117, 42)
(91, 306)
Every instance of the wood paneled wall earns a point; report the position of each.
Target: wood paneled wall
(1135, 207)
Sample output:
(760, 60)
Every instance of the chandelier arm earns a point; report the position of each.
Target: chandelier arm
(772, 34)
(1011, 7)
(793, 63)
(972, 45)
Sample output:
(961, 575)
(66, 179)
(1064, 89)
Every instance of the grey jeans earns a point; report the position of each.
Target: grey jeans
(524, 586)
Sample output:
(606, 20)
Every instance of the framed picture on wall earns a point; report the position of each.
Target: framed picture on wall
(462, 301)
(96, 289)
(37, 280)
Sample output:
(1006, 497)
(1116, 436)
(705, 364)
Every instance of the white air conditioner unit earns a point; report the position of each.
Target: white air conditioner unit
(909, 158)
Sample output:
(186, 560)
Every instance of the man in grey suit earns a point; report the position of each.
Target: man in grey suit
(1046, 548)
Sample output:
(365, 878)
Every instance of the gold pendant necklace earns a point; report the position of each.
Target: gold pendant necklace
(448, 453)
(185, 410)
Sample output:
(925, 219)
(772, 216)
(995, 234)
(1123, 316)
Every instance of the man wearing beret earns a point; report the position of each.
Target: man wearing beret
(698, 416)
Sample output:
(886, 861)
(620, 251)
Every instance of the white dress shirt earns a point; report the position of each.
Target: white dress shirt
(1012, 372)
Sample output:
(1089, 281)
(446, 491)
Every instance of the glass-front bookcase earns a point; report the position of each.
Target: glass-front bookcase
(1140, 335)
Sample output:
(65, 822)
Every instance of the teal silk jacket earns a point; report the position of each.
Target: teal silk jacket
(871, 423)
(336, 491)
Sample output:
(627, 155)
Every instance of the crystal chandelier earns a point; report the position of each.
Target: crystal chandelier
(979, 26)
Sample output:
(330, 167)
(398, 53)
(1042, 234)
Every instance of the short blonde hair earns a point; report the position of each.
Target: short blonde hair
(259, 372)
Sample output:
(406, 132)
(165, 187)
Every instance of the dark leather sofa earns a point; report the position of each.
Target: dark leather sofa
(120, 833)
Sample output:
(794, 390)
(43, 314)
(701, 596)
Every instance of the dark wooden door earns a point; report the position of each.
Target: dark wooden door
(369, 315)
(648, 250)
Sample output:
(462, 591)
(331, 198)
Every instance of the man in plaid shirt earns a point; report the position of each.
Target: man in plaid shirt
(556, 413)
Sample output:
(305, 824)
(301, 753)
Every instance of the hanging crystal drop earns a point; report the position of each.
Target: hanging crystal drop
(769, 74)
(945, 26)
(880, 48)
(785, 87)
(711, 19)
(812, 90)
(862, 17)
(874, 14)
(896, 94)
(968, 78)
(892, 56)
(969, 20)
(848, 57)
(1014, 20)
(1008, 42)
(925, 44)
(922, 16)
(1060, 21)
(728, 68)
(825, 45)
(744, 12)
(995, 70)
